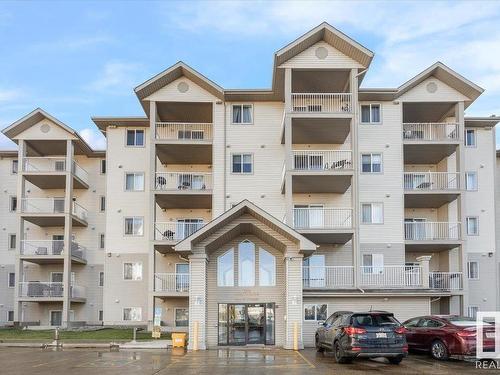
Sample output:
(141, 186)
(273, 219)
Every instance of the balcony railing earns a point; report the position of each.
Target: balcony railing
(431, 131)
(44, 164)
(390, 277)
(322, 160)
(184, 131)
(183, 181)
(432, 231)
(37, 289)
(80, 211)
(171, 282)
(328, 277)
(42, 205)
(322, 103)
(79, 172)
(34, 248)
(445, 280)
(175, 231)
(431, 181)
(322, 218)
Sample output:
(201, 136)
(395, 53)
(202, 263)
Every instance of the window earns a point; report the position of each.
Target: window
(372, 213)
(472, 311)
(246, 264)
(181, 317)
(13, 204)
(135, 137)
(315, 312)
(472, 225)
(12, 241)
(102, 203)
(14, 167)
(371, 163)
(267, 268)
(132, 271)
(470, 181)
(103, 166)
(470, 137)
(373, 263)
(101, 241)
(134, 181)
(370, 114)
(132, 314)
(12, 280)
(242, 163)
(225, 269)
(134, 226)
(473, 270)
(10, 316)
(101, 278)
(242, 114)
(100, 315)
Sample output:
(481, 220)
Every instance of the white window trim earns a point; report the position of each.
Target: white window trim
(175, 314)
(477, 181)
(371, 162)
(12, 166)
(8, 239)
(242, 123)
(135, 174)
(123, 271)
(135, 130)
(242, 154)
(234, 273)
(475, 138)
(315, 312)
(13, 316)
(468, 270)
(8, 280)
(124, 226)
(371, 122)
(99, 279)
(372, 223)
(467, 225)
(257, 267)
(254, 265)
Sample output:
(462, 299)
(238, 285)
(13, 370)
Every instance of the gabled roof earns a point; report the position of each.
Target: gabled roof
(241, 208)
(103, 122)
(481, 122)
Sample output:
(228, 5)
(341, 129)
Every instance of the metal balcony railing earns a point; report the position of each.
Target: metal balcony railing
(42, 205)
(431, 131)
(45, 248)
(322, 160)
(328, 277)
(391, 277)
(322, 218)
(339, 103)
(171, 282)
(432, 231)
(183, 181)
(184, 131)
(445, 280)
(175, 231)
(431, 181)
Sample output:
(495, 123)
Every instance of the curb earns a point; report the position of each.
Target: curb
(86, 345)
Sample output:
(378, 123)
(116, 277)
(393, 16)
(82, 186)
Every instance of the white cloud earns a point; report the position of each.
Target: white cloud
(94, 138)
(116, 78)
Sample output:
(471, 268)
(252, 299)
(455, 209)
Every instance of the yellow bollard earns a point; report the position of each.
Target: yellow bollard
(295, 336)
(195, 336)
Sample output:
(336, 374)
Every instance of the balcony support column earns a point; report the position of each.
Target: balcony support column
(18, 315)
(293, 300)
(424, 267)
(68, 229)
(356, 254)
(152, 213)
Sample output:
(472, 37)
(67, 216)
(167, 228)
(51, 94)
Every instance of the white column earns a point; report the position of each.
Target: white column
(198, 301)
(68, 229)
(20, 229)
(288, 148)
(152, 212)
(293, 300)
(424, 267)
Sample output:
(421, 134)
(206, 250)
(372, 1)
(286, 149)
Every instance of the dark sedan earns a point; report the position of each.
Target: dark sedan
(364, 334)
(447, 335)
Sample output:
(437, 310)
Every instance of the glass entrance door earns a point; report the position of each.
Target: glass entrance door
(256, 324)
(237, 324)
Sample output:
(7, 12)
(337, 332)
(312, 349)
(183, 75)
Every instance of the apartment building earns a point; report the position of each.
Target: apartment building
(248, 216)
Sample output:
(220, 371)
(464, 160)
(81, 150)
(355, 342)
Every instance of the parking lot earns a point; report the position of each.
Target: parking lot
(224, 361)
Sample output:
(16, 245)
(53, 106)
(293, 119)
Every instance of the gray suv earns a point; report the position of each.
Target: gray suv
(362, 334)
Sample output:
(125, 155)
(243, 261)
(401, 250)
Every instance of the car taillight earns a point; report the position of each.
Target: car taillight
(351, 331)
(405, 348)
(400, 330)
(466, 333)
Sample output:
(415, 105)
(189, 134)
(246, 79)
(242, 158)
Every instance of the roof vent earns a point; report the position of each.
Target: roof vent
(431, 87)
(183, 87)
(45, 128)
(321, 53)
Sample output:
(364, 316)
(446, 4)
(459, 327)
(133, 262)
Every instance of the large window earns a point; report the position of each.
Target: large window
(473, 270)
(134, 181)
(181, 317)
(472, 225)
(470, 137)
(225, 269)
(12, 280)
(132, 271)
(371, 163)
(13, 204)
(242, 114)
(132, 314)
(267, 268)
(470, 181)
(135, 137)
(14, 166)
(242, 163)
(134, 226)
(370, 114)
(315, 312)
(12, 241)
(246, 264)
(372, 213)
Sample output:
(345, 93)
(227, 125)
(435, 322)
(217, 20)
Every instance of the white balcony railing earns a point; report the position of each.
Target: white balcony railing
(171, 282)
(80, 211)
(42, 205)
(44, 164)
(36, 248)
(38, 289)
(390, 277)
(77, 291)
(445, 280)
(328, 277)
(322, 218)
(322, 160)
(431, 131)
(431, 180)
(175, 231)
(432, 231)
(79, 172)
(180, 131)
(183, 181)
(322, 103)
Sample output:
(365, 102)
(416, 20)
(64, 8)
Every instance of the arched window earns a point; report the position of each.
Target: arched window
(267, 268)
(225, 269)
(246, 263)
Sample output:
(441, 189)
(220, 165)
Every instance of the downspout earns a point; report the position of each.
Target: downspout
(362, 290)
(225, 161)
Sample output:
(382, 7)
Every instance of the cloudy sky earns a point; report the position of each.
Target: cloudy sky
(82, 59)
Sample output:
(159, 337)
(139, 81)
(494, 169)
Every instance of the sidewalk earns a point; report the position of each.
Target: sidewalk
(157, 344)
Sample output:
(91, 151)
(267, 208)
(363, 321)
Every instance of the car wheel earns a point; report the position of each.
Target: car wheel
(395, 360)
(439, 350)
(338, 353)
(319, 348)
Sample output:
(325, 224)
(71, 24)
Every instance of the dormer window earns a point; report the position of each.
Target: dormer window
(242, 114)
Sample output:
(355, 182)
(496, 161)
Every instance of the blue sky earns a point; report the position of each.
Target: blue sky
(82, 59)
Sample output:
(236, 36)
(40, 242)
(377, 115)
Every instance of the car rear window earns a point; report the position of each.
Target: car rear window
(373, 320)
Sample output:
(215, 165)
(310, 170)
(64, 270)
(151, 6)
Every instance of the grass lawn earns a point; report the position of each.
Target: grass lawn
(105, 334)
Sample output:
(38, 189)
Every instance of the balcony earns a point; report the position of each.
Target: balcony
(321, 171)
(445, 280)
(50, 172)
(50, 251)
(37, 291)
(324, 225)
(329, 277)
(174, 232)
(435, 236)
(322, 103)
(392, 277)
(183, 190)
(430, 189)
(171, 284)
(429, 142)
(49, 212)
